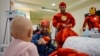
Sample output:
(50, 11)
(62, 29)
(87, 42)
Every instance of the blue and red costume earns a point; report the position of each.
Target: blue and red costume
(44, 50)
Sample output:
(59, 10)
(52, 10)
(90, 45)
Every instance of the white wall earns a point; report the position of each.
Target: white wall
(79, 16)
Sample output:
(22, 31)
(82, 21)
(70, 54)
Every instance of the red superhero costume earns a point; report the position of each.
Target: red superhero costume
(67, 52)
(93, 21)
(61, 20)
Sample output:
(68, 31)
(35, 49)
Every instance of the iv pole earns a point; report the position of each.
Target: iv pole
(8, 18)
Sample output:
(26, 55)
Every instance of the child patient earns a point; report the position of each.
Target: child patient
(21, 31)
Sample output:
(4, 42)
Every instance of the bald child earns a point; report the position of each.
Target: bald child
(21, 31)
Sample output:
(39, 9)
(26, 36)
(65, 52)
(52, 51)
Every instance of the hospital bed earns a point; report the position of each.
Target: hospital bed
(89, 45)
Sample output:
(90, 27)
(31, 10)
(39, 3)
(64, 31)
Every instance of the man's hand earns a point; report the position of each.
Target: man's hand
(44, 42)
(67, 26)
(84, 29)
(40, 41)
(64, 25)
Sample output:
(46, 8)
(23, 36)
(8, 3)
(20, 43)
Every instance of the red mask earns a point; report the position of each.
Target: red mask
(62, 4)
(45, 23)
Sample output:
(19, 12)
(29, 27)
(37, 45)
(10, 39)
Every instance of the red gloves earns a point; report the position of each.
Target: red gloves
(46, 38)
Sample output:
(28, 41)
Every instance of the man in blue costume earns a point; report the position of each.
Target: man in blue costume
(42, 39)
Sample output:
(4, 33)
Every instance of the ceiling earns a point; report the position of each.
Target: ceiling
(40, 9)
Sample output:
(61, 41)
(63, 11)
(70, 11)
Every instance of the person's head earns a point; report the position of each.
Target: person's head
(92, 10)
(44, 25)
(21, 28)
(62, 7)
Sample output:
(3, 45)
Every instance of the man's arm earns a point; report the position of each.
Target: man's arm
(35, 38)
(55, 22)
(84, 24)
(71, 21)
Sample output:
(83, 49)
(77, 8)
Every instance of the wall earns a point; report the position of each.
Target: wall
(79, 16)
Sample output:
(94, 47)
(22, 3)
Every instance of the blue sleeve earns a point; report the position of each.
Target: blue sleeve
(50, 45)
(35, 38)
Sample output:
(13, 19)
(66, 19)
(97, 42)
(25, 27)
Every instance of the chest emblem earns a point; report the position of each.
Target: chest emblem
(95, 18)
(63, 18)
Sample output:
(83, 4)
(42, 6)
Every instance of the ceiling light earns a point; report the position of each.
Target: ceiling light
(53, 4)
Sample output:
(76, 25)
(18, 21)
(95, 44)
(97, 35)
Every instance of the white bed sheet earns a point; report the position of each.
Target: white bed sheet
(87, 45)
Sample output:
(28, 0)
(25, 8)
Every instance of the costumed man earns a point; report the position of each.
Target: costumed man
(42, 39)
(63, 22)
(67, 52)
(92, 20)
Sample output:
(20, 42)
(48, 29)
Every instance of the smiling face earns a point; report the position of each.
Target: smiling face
(44, 26)
(44, 29)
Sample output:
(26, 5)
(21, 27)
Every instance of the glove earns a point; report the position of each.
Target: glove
(46, 38)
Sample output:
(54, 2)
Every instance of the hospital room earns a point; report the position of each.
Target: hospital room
(49, 27)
